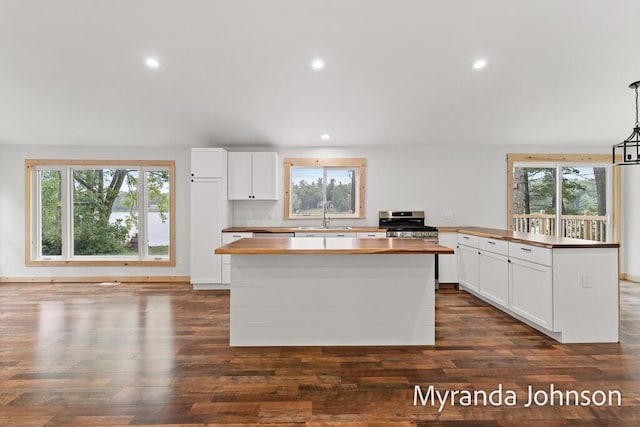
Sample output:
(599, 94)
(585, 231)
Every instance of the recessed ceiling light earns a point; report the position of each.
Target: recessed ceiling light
(325, 137)
(317, 64)
(479, 64)
(151, 62)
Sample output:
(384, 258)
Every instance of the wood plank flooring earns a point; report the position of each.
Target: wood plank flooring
(158, 354)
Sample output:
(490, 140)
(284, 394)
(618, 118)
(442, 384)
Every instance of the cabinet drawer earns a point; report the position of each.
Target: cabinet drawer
(322, 234)
(468, 240)
(232, 237)
(494, 245)
(530, 253)
(371, 235)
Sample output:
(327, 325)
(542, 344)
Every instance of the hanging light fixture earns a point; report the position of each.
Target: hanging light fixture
(628, 151)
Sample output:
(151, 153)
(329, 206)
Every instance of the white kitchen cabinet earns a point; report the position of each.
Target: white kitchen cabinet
(468, 240)
(494, 277)
(323, 234)
(208, 162)
(484, 268)
(371, 235)
(226, 259)
(253, 176)
(568, 293)
(448, 264)
(469, 267)
(208, 217)
(532, 291)
(530, 253)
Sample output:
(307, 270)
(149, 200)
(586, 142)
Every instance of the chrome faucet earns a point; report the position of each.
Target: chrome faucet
(325, 219)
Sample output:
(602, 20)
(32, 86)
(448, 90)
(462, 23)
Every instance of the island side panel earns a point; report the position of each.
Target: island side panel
(287, 300)
(585, 294)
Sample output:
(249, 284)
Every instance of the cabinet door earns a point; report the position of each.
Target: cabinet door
(531, 292)
(468, 267)
(239, 176)
(494, 277)
(448, 264)
(207, 162)
(264, 177)
(206, 223)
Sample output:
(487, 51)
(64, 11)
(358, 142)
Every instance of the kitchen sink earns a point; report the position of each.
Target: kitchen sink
(319, 227)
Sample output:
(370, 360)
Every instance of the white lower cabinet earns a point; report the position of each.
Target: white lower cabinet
(371, 235)
(494, 277)
(491, 269)
(570, 294)
(226, 259)
(469, 267)
(323, 234)
(208, 216)
(494, 270)
(532, 291)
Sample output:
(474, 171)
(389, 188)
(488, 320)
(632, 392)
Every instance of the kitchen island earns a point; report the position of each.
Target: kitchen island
(332, 291)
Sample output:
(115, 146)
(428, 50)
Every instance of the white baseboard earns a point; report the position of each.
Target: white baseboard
(94, 279)
(210, 286)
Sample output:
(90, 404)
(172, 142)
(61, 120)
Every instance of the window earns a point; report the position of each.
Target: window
(100, 212)
(564, 195)
(312, 185)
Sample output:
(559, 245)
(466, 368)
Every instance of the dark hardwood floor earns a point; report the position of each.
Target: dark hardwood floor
(158, 354)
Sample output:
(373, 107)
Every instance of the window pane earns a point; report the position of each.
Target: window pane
(306, 191)
(157, 213)
(105, 211)
(341, 191)
(50, 212)
(534, 200)
(584, 202)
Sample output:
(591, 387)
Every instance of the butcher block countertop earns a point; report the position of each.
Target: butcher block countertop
(491, 233)
(319, 229)
(331, 245)
(528, 238)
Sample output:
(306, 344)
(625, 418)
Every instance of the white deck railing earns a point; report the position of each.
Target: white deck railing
(586, 226)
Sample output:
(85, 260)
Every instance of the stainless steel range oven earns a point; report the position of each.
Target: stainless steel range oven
(409, 224)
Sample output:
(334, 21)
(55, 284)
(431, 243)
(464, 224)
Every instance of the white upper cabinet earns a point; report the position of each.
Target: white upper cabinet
(207, 163)
(239, 176)
(253, 176)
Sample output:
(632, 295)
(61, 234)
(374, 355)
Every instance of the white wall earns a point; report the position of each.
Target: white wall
(631, 220)
(12, 207)
(470, 181)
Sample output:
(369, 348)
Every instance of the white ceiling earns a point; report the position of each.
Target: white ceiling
(236, 72)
